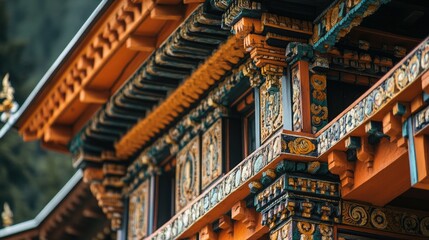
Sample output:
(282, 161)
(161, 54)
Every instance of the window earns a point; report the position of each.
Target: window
(244, 131)
(164, 201)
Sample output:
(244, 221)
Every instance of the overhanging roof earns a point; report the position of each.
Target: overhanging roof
(16, 119)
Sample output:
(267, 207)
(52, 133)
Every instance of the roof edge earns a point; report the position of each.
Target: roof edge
(48, 76)
(44, 213)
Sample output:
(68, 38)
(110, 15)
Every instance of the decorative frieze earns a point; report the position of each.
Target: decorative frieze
(271, 108)
(212, 160)
(216, 193)
(301, 191)
(393, 220)
(403, 75)
(241, 8)
(188, 174)
(286, 26)
(138, 212)
(305, 230)
(361, 61)
(339, 19)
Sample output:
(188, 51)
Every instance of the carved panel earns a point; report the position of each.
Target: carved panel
(303, 230)
(296, 100)
(386, 219)
(319, 102)
(218, 192)
(188, 173)
(271, 109)
(401, 77)
(211, 164)
(138, 212)
(339, 19)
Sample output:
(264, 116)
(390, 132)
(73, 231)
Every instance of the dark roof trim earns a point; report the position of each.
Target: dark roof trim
(47, 78)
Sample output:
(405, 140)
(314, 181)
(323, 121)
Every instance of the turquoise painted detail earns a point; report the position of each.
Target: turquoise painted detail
(407, 131)
(328, 39)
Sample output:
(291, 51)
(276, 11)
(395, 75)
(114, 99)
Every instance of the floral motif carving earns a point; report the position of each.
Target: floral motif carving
(319, 103)
(271, 110)
(138, 212)
(299, 145)
(283, 232)
(303, 230)
(188, 173)
(395, 220)
(306, 230)
(211, 164)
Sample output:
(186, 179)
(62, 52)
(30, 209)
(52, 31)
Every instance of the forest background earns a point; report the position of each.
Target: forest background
(33, 33)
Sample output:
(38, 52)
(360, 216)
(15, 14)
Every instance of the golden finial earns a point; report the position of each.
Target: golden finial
(7, 103)
(7, 215)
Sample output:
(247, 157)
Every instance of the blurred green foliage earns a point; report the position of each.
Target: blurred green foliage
(32, 35)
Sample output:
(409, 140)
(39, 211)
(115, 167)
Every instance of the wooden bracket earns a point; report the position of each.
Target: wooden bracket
(352, 143)
(166, 12)
(392, 126)
(94, 96)
(141, 43)
(374, 130)
(207, 233)
(226, 224)
(61, 134)
(366, 153)
(425, 82)
(247, 216)
(91, 174)
(338, 164)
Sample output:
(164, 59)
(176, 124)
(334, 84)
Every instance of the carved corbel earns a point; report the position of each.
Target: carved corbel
(207, 233)
(247, 216)
(339, 165)
(366, 153)
(253, 73)
(226, 224)
(296, 51)
(268, 177)
(246, 26)
(359, 148)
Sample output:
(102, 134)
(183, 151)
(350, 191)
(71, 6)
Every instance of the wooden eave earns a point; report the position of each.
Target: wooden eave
(71, 206)
(98, 66)
(175, 76)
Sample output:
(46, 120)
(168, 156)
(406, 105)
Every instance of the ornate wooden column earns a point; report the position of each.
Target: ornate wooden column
(309, 108)
(265, 37)
(298, 200)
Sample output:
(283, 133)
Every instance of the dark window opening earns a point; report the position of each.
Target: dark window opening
(249, 133)
(242, 129)
(165, 197)
(341, 95)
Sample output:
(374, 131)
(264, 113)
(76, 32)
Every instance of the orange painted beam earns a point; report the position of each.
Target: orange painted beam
(167, 13)
(141, 43)
(388, 178)
(94, 96)
(58, 134)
